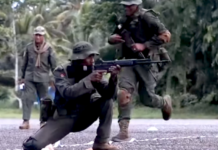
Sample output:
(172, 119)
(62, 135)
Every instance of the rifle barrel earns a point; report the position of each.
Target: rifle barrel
(128, 62)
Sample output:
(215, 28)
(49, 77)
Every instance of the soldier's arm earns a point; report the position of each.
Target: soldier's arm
(161, 34)
(107, 89)
(111, 38)
(116, 33)
(52, 59)
(69, 91)
(24, 64)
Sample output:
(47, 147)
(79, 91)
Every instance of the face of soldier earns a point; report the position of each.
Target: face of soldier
(89, 61)
(130, 9)
(39, 38)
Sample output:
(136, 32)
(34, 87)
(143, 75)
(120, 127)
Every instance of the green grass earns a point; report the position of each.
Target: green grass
(188, 113)
(16, 113)
(194, 112)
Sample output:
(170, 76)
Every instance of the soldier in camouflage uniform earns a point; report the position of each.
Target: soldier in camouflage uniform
(39, 59)
(148, 34)
(81, 98)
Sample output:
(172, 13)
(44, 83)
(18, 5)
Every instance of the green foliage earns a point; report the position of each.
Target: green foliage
(104, 21)
(4, 94)
(193, 45)
(108, 52)
(192, 75)
(187, 100)
(5, 47)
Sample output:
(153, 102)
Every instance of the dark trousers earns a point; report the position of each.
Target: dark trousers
(60, 126)
(31, 90)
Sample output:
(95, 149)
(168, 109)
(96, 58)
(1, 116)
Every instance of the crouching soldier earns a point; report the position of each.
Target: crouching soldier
(81, 98)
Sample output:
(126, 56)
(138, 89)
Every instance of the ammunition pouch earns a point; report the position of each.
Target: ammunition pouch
(47, 109)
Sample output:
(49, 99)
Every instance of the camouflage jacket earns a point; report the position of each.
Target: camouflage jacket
(75, 91)
(144, 28)
(37, 74)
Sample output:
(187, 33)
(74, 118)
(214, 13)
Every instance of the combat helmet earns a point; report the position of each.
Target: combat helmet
(81, 50)
(131, 2)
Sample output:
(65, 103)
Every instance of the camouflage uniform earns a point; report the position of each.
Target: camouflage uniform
(35, 72)
(79, 103)
(145, 28)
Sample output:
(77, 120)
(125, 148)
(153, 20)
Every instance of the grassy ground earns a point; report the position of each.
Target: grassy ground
(194, 112)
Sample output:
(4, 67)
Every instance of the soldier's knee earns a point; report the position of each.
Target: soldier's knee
(31, 144)
(124, 97)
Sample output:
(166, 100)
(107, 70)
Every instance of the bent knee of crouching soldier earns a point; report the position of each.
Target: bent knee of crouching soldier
(31, 144)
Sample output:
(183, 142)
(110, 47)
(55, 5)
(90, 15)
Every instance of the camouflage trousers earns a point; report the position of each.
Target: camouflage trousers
(31, 91)
(141, 79)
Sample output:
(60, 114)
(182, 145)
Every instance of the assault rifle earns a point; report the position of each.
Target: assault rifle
(105, 65)
(128, 40)
(126, 36)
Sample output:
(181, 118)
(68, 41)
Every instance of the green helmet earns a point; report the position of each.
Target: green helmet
(81, 50)
(131, 2)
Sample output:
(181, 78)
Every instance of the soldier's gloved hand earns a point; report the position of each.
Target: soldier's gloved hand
(115, 38)
(138, 47)
(97, 75)
(114, 70)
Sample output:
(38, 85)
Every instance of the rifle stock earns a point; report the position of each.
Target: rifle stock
(129, 41)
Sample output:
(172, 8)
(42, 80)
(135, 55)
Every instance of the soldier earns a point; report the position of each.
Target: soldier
(81, 98)
(39, 58)
(148, 35)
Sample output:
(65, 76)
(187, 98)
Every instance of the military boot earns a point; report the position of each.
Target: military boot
(167, 109)
(104, 146)
(24, 125)
(123, 135)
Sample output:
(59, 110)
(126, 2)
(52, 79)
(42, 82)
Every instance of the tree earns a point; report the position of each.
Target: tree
(194, 43)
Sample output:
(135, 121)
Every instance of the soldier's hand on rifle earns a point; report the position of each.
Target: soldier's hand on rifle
(115, 38)
(97, 75)
(138, 47)
(114, 70)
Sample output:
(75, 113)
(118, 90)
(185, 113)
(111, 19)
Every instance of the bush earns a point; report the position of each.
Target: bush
(187, 100)
(4, 94)
(211, 98)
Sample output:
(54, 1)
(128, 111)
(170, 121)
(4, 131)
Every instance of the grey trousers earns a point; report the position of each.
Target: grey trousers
(60, 126)
(31, 91)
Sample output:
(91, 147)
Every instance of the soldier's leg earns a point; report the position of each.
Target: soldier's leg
(53, 131)
(42, 91)
(56, 129)
(148, 97)
(127, 86)
(102, 109)
(29, 96)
